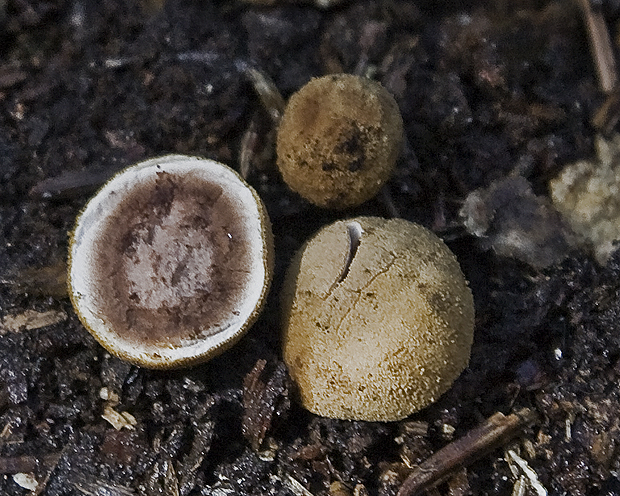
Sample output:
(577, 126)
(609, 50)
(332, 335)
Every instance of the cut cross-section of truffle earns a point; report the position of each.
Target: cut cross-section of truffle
(171, 261)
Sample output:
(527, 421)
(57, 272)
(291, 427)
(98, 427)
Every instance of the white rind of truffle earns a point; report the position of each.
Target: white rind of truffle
(85, 290)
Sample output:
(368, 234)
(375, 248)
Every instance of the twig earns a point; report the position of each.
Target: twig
(266, 89)
(608, 114)
(496, 430)
(70, 185)
(600, 44)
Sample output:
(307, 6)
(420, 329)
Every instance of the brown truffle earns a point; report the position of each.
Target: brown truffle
(170, 262)
(339, 139)
(378, 319)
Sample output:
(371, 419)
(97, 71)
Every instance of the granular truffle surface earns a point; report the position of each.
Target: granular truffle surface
(378, 319)
(339, 139)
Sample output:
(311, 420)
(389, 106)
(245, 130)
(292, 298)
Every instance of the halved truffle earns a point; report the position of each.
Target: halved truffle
(378, 319)
(170, 262)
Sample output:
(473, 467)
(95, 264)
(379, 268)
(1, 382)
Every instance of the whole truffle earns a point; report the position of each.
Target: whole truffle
(378, 319)
(339, 139)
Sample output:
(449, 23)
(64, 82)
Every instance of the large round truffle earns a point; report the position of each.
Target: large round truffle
(378, 319)
(339, 139)
(170, 262)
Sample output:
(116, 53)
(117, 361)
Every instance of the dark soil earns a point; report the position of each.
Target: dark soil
(87, 88)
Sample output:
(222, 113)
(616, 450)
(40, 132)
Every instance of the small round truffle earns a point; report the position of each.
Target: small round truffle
(378, 319)
(170, 262)
(339, 139)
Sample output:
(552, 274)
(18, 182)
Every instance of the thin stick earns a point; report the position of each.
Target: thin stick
(600, 44)
(498, 429)
(608, 114)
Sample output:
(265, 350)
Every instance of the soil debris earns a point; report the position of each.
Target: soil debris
(487, 90)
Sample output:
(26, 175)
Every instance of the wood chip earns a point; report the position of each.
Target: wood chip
(600, 44)
(532, 478)
(118, 420)
(31, 319)
(27, 481)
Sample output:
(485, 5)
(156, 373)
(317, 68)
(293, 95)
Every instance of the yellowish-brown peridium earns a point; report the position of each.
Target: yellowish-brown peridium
(339, 139)
(171, 261)
(378, 319)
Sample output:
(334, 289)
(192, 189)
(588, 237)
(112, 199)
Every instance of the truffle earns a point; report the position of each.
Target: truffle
(378, 319)
(170, 262)
(339, 139)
